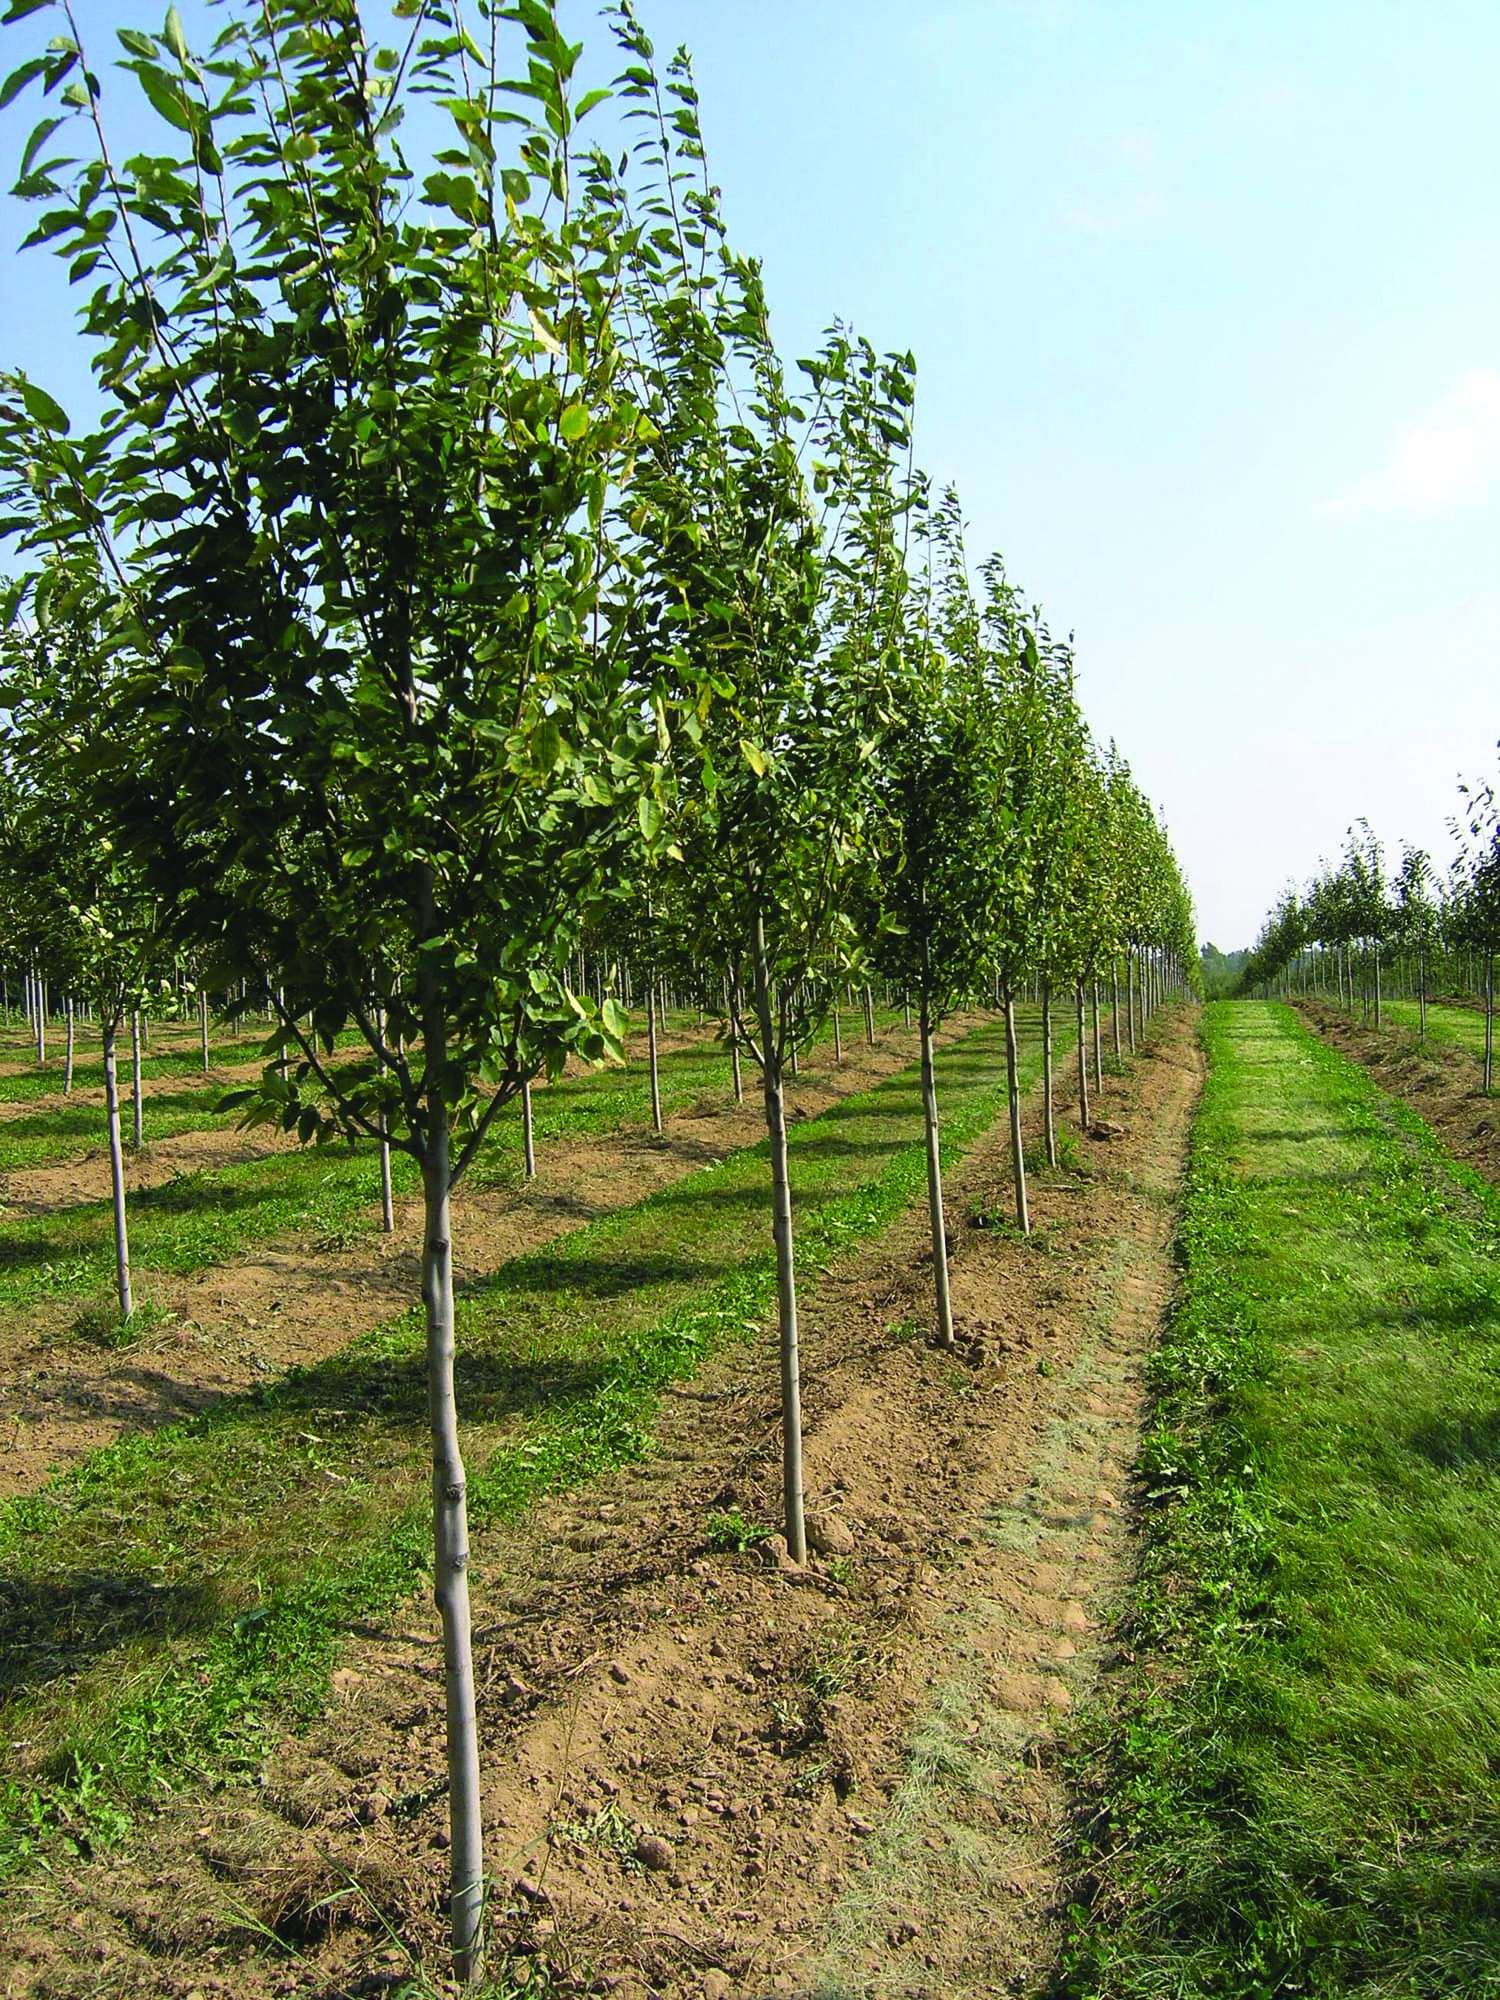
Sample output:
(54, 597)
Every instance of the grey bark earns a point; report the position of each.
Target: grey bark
(869, 1017)
(1049, 1116)
(135, 1074)
(68, 1061)
(1114, 1006)
(116, 1166)
(651, 1050)
(935, 1182)
(781, 1229)
(1013, 1092)
(528, 1136)
(838, 1038)
(1083, 1064)
(450, 1518)
(1098, 1045)
(203, 1025)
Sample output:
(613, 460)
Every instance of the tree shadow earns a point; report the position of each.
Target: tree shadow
(1460, 1443)
(52, 1628)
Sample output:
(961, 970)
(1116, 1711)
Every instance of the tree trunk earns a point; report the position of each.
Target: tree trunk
(1114, 1007)
(116, 1165)
(1013, 1091)
(935, 1180)
(203, 1026)
(68, 1061)
(39, 1010)
(1489, 1021)
(1421, 993)
(450, 1523)
(869, 1017)
(651, 1049)
(1083, 1064)
(1098, 1045)
(906, 1010)
(1130, 997)
(781, 1230)
(1377, 982)
(1049, 1115)
(838, 1039)
(528, 1134)
(135, 1073)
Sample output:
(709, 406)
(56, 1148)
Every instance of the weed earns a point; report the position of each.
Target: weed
(731, 1534)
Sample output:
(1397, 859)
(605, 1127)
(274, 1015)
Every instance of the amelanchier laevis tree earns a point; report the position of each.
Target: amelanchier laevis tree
(361, 428)
(758, 621)
(78, 904)
(944, 817)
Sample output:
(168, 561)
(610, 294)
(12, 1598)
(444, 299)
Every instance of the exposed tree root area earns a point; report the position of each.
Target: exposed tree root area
(708, 1774)
(295, 1300)
(1441, 1085)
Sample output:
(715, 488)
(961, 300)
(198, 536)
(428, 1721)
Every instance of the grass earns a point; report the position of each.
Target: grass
(1297, 1785)
(197, 1219)
(184, 1592)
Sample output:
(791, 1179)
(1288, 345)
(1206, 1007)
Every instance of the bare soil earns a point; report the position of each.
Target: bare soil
(709, 1774)
(1441, 1085)
(293, 1301)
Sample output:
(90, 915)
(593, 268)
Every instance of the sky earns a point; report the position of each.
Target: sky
(1205, 299)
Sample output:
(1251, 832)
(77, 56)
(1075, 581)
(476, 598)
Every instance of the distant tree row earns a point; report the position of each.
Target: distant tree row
(1360, 929)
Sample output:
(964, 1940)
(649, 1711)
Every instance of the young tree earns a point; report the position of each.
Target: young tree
(368, 743)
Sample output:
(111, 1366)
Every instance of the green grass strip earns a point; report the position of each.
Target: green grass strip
(184, 1592)
(201, 1218)
(1299, 1781)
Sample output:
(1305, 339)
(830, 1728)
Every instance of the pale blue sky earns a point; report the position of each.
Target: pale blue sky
(1206, 305)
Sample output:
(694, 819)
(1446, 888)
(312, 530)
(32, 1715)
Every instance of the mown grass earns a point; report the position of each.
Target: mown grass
(182, 1592)
(1298, 1782)
(320, 1196)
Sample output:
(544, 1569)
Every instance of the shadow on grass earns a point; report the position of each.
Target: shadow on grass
(52, 1628)
(1460, 1443)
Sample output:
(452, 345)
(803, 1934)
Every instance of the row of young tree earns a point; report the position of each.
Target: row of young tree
(1360, 929)
(454, 582)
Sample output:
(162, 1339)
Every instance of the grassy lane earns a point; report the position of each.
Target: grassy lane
(200, 1218)
(179, 1591)
(1300, 1776)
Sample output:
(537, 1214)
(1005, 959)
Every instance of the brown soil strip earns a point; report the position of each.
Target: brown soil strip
(1439, 1084)
(293, 1302)
(710, 1776)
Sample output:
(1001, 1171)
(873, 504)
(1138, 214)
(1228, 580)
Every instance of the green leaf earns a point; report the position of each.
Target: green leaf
(50, 415)
(165, 96)
(136, 43)
(574, 421)
(36, 142)
(754, 756)
(648, 812)
(19, 9)
(18, 79)
(173, 36)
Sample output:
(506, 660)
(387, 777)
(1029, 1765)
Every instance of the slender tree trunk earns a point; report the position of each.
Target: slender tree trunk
(1114, 1006)
(1013, 1092)
(781, 1229)
(528, 1132)
(68, 1060)
(870, 1017)
(116, 1165)
(39, 1004)
(935, 1179)
(1375, 969)
(450, 1522)
(387, 1205)
(1130, 997)
(906, 1010)
(203, 1025)
(1421, 993)
(1489, 1021)
(1049, 1114)
(1098, 1045)
(838, 1039)
(651, 1050)
(1083, 1063)
(135, 1074)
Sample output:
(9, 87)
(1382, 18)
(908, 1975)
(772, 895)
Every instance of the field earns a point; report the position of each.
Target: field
(1150, 1646)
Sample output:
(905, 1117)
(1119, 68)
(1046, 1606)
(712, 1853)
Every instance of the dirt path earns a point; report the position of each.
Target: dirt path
(1439, 1084)
(291, 1302)
(708, 1775)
